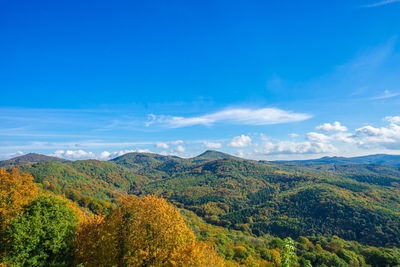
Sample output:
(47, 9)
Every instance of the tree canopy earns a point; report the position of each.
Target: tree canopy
(141, 232)
(42, 235)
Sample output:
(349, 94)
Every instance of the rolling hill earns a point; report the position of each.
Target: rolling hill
(93, 184)
(28, 159)
(350, 201)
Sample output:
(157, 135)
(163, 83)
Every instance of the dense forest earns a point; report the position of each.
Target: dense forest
(144, 209)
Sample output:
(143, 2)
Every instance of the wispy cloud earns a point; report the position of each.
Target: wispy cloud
(212, 145)
(10, 155)
(162, 145)
(386, 94)
(381, 3)
(263, 116)
(81, 144)
(372, 69)
(289, 147)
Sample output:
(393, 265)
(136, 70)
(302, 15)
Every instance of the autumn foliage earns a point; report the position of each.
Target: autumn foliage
(16, 190)
(142, 232)
(39, 228)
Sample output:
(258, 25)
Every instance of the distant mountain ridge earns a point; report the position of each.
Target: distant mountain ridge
(28, 159)
(208, 155)
(384, 159)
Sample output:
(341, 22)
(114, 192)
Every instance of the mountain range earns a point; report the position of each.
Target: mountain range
(384, 159)
(330, 196)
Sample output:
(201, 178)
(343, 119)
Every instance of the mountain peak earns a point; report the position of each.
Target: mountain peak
(28, 159)
(213, 155)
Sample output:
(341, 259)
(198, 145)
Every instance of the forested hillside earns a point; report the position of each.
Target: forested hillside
(245, 209)
(91, 183)
(262, 199)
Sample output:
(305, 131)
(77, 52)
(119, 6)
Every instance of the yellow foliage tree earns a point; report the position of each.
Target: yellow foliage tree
(94, 246)
(276, 257)
(16, 190)
(142, 232)
(197, 254)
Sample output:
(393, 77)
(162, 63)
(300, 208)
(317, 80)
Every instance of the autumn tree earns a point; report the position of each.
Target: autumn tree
(16, 190)
(142, 232)
(94, 244)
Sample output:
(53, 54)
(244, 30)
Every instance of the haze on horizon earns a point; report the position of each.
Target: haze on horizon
(260, 80)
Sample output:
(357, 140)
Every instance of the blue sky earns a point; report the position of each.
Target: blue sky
(259, 79)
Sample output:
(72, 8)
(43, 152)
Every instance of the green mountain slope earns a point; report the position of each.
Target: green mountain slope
(266, 199)
(89, 182)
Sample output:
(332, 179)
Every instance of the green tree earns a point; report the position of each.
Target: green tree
(380, 257)
(42, 235)
(289, 257)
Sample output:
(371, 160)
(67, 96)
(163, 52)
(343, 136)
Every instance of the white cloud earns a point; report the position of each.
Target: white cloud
(393, 119)
(322, 138)
(264, 137)
(162, 145)
(388, 136)
(344, 137)
(180, 149)
(288, 147)
(386, 94)
(82, 154)
(240, 141)
(212, 145)
(177, 142)
(318, 138)
(335, 127)
(293, 135)
(381, 3)
(105, 155)
(262, 116)
(74, 154)
(364, 137)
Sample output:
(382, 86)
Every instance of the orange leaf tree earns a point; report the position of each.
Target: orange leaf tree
(16, 190)
(142, 232)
